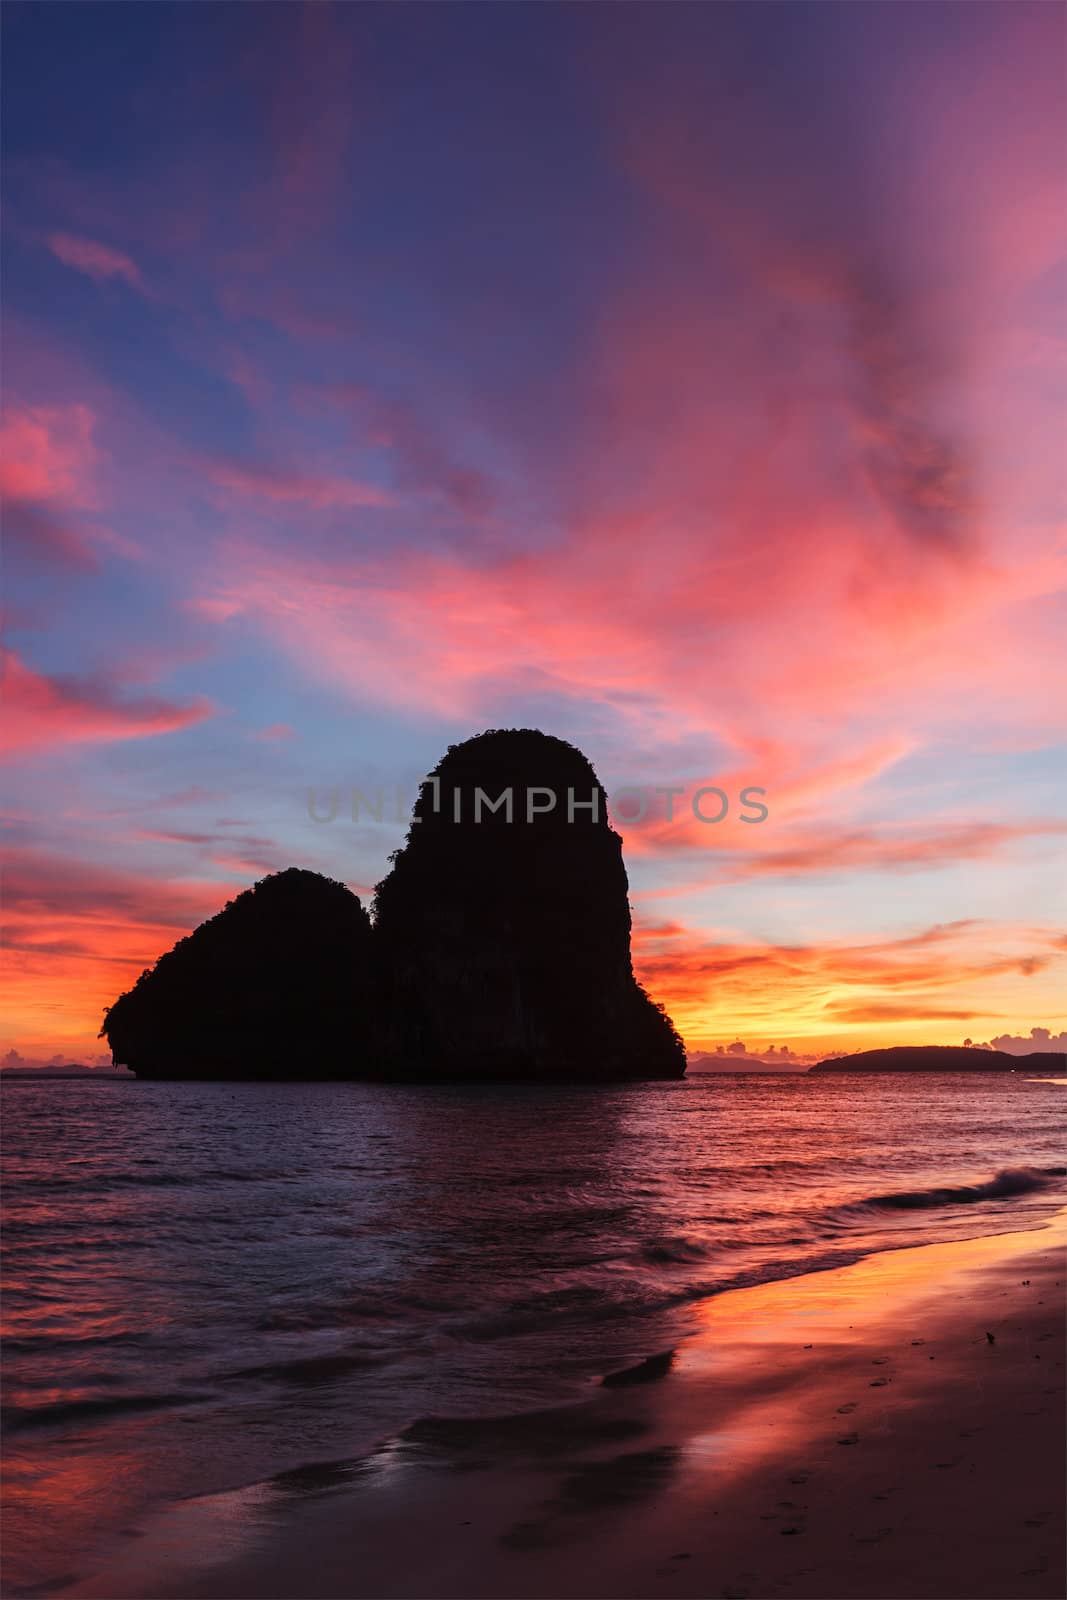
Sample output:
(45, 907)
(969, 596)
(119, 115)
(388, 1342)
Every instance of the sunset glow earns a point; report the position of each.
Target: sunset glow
(354, 406)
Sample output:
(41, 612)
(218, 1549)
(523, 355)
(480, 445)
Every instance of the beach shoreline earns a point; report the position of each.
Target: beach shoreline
(854, 1434)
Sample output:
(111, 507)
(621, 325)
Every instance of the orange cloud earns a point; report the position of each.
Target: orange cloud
(911, 1012)
(837, 989)
(76, 935)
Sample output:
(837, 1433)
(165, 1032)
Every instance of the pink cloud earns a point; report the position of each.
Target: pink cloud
(747, 854)
(807, 522)
(419, 460)
(294, 488)
(276, 731)
(45, 537)
(43, 712)
(248, 855)
(98, 261)
(733, 644)
(778, 515)
(303, 80)
(47, 464)
(47, 453)
(792, 519)
(214, 608)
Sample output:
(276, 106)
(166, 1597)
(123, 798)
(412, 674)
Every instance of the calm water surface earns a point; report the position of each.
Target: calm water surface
(210, 1283)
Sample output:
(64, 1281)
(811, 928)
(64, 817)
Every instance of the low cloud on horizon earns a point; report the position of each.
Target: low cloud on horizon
(1014, 1044)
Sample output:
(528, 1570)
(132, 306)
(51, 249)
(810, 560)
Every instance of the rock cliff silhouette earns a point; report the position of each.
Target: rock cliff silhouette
(503, 946)
(275, 986)
(500, 950)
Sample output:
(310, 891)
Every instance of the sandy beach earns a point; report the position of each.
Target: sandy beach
(894, 1428)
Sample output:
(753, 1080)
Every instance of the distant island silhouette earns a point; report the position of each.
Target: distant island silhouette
(944, 1058)
(500, 949)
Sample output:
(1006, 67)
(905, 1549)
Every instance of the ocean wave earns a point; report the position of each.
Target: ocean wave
(1006, 1184)
(307, 1371)
(18, 1418)
(633, 1300)
(674, 1250)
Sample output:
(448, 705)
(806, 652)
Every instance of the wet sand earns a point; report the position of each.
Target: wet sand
(850, 1434)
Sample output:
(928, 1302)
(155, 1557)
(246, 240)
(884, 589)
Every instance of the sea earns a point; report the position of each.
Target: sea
(208, 1284)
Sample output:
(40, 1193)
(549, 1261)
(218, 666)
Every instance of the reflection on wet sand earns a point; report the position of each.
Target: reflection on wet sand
(860, 1416)
(214, 1290)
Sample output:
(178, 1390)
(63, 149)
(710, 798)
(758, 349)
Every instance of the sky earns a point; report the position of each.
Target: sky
(686, 381)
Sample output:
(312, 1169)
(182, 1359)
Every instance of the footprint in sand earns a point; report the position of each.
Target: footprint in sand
(849, 1438)
(878, 1383)
(847, 1408)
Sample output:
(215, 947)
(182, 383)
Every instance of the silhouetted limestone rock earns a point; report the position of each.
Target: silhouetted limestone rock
(503, 947)
(944, 1058)
(274, 986)
(501, 950)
